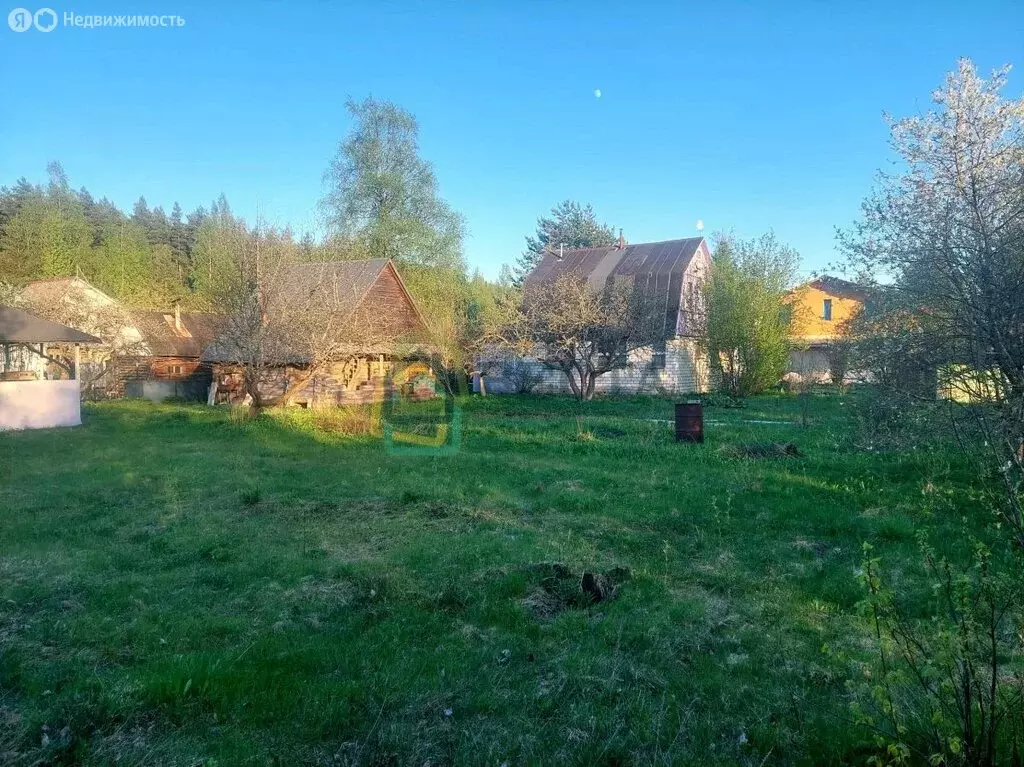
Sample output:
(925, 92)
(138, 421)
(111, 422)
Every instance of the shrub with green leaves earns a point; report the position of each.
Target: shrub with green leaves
(945, 686)
(747, 318)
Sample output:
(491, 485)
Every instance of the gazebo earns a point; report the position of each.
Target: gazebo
(26, 400)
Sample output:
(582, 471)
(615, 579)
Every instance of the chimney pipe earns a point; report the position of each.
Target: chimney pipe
(177, 315)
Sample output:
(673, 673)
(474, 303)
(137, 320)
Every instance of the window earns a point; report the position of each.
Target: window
(658, 357)
(175, 370)
(826, 310)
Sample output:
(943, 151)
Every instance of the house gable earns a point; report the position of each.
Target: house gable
(77, 303)
(664, 271)
(692, 303)
(821, 308)
(387, 308)
(373, 311)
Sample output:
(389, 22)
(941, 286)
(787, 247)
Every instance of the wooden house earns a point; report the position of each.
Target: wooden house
(144, 353)
(671, 273)
(171, 364)
(379, 334)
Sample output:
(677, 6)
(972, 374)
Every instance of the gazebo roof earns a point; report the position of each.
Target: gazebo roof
(20, 327)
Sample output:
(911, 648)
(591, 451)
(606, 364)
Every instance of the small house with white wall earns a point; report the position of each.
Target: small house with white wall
(29, 399)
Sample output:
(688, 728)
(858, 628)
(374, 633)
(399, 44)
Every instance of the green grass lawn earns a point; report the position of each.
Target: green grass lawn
(178, 586)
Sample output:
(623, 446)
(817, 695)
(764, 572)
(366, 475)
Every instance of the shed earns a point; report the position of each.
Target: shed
(26, 402)
(377, 331)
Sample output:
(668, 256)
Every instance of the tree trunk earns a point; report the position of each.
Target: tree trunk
(591, 384)
(252, 388)
(296, 385)
(570, 374)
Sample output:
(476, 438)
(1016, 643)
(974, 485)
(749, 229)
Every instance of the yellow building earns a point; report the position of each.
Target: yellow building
(821, 309)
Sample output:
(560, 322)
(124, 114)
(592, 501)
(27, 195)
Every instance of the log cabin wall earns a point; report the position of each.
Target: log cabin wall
(359, 381)
(191, 378)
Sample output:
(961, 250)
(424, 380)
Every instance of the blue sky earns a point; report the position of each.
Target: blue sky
(748, 116)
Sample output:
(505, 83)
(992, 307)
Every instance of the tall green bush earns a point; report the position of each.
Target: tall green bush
(747, 316)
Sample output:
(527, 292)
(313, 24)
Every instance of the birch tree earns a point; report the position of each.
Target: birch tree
(382, 199)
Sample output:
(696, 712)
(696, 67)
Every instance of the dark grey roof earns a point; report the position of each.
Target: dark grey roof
(839, 287)
(655, 267)
(20, 327)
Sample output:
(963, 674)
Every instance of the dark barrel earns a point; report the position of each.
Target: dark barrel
(689, 422)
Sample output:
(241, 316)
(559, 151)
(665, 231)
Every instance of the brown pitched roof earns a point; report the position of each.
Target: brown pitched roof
(165, 340)
(839, 287)
(657, 267)
(55, 289)
(343, 285)
(20, 327)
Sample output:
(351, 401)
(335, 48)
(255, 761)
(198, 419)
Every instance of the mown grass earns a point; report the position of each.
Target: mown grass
(178, 586)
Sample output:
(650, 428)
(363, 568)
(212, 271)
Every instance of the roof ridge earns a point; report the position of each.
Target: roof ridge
(632, 244)
(170, 310)
(662, 242)
(343, 261)
(68, 277)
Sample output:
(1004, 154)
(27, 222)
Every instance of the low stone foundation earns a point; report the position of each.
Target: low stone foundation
(681, 369)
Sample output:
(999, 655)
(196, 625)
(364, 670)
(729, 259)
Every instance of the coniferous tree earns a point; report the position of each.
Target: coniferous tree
(140, 212)
(570, 224)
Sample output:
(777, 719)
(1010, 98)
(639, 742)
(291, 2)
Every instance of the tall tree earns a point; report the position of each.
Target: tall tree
(140, 212)
(177, 241)
(214, 254)
(12, 198)
(570, 224)
(193, 221)
(382, 201)
(383, 194)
